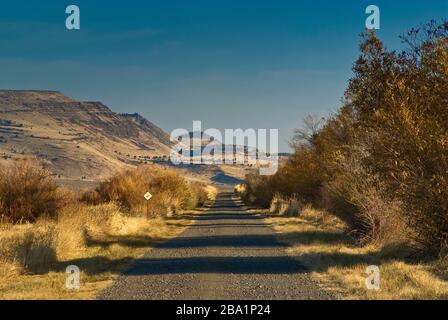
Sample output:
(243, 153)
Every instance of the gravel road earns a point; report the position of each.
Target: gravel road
(226, 254)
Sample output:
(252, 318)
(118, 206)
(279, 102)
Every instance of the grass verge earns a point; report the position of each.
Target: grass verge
(320, 242)
(44, 228)
(101, 250)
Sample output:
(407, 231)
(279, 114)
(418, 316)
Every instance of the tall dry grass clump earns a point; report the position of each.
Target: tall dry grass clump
(27, 192)
(43, 224)
(287, 206)
(201, 194)
(78, 224)
(27, 248)
(240, 188)
(170, 192)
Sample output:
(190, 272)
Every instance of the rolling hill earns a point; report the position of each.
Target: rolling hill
(75, 140)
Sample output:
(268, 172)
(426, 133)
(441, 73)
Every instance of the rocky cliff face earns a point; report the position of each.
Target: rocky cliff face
(148, 126)
(75, 139)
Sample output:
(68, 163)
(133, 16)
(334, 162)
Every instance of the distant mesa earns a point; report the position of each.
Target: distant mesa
(75, 139)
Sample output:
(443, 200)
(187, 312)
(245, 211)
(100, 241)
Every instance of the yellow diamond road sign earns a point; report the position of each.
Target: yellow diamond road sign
(148, 196)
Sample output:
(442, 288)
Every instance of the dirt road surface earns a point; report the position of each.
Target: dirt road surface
(226, 254)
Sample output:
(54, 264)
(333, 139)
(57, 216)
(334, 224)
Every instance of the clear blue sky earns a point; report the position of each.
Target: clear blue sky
(231, 64)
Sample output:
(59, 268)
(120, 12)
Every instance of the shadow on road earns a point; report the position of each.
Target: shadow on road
(225, 179)
(229, 265)
(246, 240)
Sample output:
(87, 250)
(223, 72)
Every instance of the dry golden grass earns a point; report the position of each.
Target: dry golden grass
(171, 192)
(27, 192)
(101, 234)
(240, 188)
(320, 242)
(211, 191)
(101, 240)
(288, 206)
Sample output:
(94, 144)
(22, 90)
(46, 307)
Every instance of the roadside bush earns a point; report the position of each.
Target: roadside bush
(380, 163)
(257, 190)
(169, 190)
(89, 196)
(400, 102)
(287, 206)
(201, 193)
(240, 189)
(359, 199)
(27, 192)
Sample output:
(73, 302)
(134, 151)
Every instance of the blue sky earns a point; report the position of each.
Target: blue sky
(231, 64)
